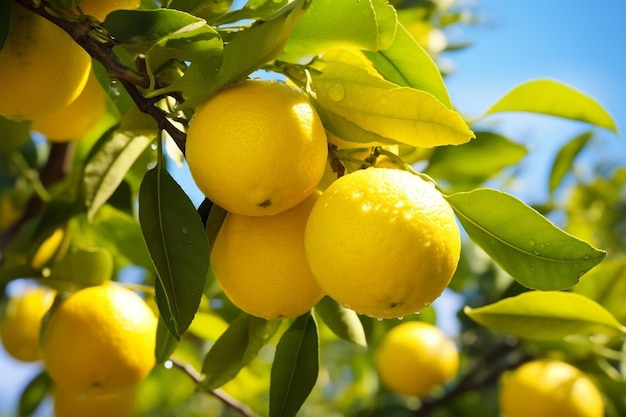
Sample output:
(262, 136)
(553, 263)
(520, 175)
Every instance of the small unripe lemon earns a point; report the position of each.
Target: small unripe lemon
(415, 357)
(548, 388)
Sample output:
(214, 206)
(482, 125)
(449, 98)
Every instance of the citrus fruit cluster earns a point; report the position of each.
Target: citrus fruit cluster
(97, 345)
(380, 241)
(549, 387)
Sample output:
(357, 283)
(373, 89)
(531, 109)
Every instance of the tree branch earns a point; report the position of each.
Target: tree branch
(221, 395)
(98, 43)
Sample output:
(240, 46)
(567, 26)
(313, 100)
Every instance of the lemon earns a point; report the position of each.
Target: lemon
(75, 120)
(261, 266)
(256, 148)
(100, 340)
(415, 357)
(20, 330)
(48, 249)
(69, 404)
(548, 388)
(41, 68)
(101, 8)
(382, 242)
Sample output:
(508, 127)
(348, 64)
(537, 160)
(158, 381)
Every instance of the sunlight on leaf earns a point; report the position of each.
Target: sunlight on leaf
(525, 244)
(343, 322)
(606, 284)
(565, 158)
(554, 99)
(549, 315)
(403, 114)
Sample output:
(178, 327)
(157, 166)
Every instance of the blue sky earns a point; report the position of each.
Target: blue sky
(576, 42)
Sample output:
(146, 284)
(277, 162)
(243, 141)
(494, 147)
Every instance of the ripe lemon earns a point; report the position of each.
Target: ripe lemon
(256, 148)
(20, 330)
(415, 357)
(101, 8)
(69, 404)
(100, 340)
(41, 68)
(75, 120)
(382, 242)
(548, 388)
(261, 266)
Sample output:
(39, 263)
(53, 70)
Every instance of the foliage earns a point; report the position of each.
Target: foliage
(529, 287)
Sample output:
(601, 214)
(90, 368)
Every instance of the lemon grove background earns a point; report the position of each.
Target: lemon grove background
(514, 43)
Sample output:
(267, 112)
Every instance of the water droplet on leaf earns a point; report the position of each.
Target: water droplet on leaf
(336, 92)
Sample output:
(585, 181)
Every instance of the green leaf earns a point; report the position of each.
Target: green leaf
(554, 99)
(235, 348)
(606, 284)
(407, 64)
(565, 158)
(166, 343)
(549, 315)
(34, 393)
(372, 26)
(207, 10)
(295, 367)
(107, 165)
(164, 34)
(343, 322)
(246, 52)
(475, 162)
(178, 246)
(525, 244)
(254, 10)
(406, 115)
(13, 134)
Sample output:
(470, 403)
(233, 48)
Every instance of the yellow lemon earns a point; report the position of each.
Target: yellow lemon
(41, 68)
(260, 263)
(101, 8)
(75, 120)
(256, 148)
(415, 357)
(548, 388)
(48, 249)
(99, 340)
(20, 330)
(69, 404)
(382, 242)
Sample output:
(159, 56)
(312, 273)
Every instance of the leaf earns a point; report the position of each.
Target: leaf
(34, 394)
(254, 10)
(407, 64)
(343, 322)
(166, 343)
(13, 134)
(525, 244)
(107, 165)
(554, 99)
(372, 25)
(403, 114)
(235, 348)
(178, 246)
(475, 162)
(565, 158)
(295, 367)
(244, 53)
(207, 10)
(549, 315)
(606, 284)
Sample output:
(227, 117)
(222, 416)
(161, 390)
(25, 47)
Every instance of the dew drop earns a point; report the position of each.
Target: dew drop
(384, 100)
(536, 252)
(401, 318)
(379, 318)
(336, 92)
(532, 242)
(184, 230)
(168, 364)
(153, 146)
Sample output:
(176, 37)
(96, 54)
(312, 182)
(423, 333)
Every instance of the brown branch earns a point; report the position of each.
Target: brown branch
(221, 395)
(95, 40)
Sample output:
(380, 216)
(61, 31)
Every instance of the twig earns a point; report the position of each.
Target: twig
(94, 39)
(221, 395)
(475, 378)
